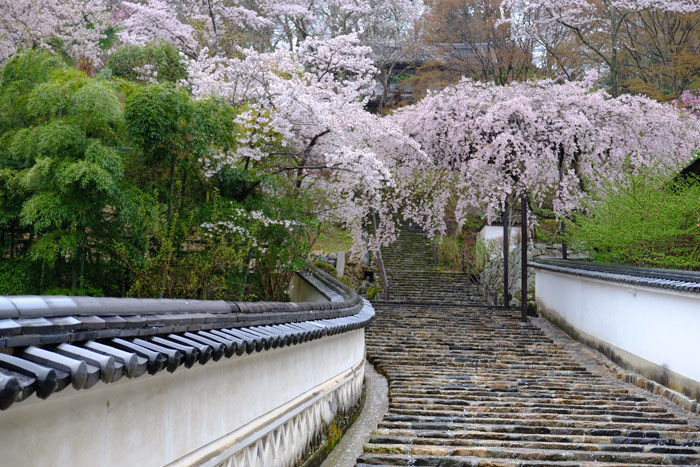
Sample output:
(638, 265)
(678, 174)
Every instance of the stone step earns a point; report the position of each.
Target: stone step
(606, 436)
(413, 277)
(474, 386)
(676, 456)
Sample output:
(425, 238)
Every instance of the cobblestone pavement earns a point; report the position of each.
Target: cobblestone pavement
(414, 278)
(475, 386)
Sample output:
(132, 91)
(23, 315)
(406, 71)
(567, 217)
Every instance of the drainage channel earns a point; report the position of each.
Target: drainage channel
(349, 448)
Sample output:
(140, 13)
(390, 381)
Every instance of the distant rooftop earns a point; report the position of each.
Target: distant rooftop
(420, 53)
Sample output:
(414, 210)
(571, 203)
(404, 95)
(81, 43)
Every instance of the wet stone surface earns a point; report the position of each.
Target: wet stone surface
(413, 277)
(475, 386)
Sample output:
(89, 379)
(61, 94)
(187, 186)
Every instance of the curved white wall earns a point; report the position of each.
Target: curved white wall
(158, 419)
(660, 326)
(495, 233)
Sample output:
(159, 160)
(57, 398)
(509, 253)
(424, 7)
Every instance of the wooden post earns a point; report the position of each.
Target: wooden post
(523, 234)
(506, 238)
(561, 179)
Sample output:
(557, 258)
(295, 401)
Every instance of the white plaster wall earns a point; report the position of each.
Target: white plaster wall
(301, 291)
(495, 233)
(659, 325)
(157, 419)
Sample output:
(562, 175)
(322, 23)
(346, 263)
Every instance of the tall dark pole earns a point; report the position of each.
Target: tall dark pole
(563, 225)
(506, 238)
(564, 253)
(523, 234)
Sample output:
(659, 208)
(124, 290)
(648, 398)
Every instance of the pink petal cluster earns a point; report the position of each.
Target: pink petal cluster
(77, 25)
(488, 142)
(690, 102)
(307, 107)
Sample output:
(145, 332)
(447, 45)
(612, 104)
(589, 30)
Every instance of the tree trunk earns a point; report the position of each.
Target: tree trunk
(81, 278)
(182, 190)
(73, 274)
(172, 189)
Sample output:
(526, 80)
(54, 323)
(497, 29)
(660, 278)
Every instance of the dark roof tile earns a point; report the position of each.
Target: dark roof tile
(9, 327)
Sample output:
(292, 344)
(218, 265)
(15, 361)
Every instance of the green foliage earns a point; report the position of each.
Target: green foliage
(162, 58)
(208, 268)
(237, 184)
(347, 281)
(548, 231)
(281, 249)
(333, 239)
(326, 267)
(172, 130)
(450, 253)
(81, 292)
(102, 189)
(155, 115)
(18, 78)
(450, 247)
(18, 276)
(62, 157)
(645, 221)
(373, 292)
(64, 199)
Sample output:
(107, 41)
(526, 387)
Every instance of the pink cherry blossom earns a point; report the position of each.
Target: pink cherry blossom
(489, 142)
(71, 26)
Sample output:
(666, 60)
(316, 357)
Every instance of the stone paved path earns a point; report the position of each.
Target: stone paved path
(475, 386)
(414, 278)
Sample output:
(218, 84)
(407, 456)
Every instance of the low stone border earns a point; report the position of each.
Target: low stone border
(691, 405)
(675, 397)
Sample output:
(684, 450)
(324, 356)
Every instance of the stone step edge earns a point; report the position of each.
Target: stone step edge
(689, 404)
(434, 304)
(677, 398)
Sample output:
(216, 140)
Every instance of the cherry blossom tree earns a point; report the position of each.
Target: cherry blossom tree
(191, 25)
(302, 115)
(73, 27)
(155, 19)
(372, 20)
(598, 25)
(219, 25)
(554, 142)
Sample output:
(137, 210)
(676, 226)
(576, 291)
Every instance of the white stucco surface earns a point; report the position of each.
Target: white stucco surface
(495, 233)
(659, 325)
(157, 419)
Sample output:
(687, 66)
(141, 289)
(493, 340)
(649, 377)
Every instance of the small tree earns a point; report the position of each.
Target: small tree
(170, 128)
(61, 149)
(156, 117)
(643, 221)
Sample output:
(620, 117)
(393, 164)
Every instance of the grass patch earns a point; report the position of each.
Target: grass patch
(332, 240)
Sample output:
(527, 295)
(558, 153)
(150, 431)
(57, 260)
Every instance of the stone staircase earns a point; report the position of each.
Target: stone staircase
(414, 278)
(475, 386)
